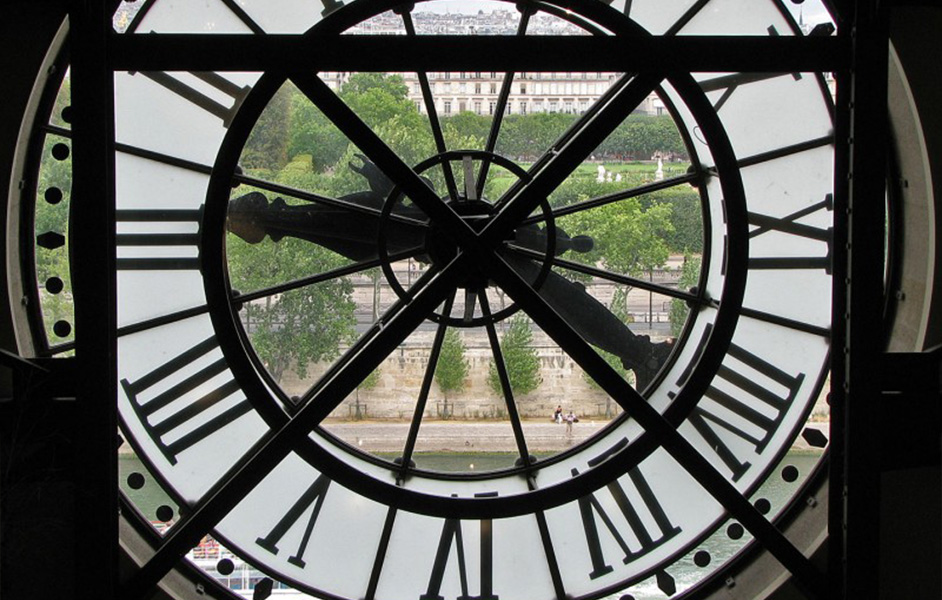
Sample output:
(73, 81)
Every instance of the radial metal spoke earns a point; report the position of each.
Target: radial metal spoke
(549, 550)
(345, 270)
(573, 129)
(241, 178)
(162, 320)
(760, 315)
(756, 159)
(58, 349)
(434, 123)
(521, 200)
(504, 378)
(609, 276)
(634, 192)
(272, 449)
(243, 16)
(501, 107)
(650, 420)
(364, 138)
(686, 17)
(422, 400)
(470, 187)
(366, 339)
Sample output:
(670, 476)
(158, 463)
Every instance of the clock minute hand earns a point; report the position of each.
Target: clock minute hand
(596, 323)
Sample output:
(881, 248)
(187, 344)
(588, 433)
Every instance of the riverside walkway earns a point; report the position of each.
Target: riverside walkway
(477, 436)
(463, 436)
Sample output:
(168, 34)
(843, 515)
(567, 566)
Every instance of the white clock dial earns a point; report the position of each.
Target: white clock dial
(288, 242)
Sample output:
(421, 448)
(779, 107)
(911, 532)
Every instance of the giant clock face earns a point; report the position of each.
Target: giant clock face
(224, 262)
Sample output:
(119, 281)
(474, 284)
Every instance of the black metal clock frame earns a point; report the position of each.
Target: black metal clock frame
(856, 55)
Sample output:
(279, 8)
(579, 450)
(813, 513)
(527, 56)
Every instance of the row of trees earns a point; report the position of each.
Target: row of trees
(520, 361)
(292, 126)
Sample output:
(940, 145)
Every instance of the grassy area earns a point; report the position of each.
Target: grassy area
(633, 173)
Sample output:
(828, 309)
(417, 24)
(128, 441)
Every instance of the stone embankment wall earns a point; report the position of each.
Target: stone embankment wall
(401, 375)
(394, 396)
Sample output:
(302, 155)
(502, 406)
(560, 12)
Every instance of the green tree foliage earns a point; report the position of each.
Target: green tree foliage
(377, 97)
(451, 371)
(627, 238)
(686, 234)
(526, 137)
(689, 276)
(311, 134)
(293, 329)
(520, 359)
(267, 146)
(476, 127)
(641, 136)
(370, 381)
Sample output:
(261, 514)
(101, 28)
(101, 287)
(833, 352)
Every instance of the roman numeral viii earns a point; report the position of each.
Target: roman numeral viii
(190, 422)
(788, 224)
(451, 535)
(646, 519)
(158, 239)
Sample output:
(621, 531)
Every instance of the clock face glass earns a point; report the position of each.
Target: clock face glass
(474, 312)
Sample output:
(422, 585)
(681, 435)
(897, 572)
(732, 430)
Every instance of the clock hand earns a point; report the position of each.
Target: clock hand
(596, 323)
(535, 238)
(351, 234)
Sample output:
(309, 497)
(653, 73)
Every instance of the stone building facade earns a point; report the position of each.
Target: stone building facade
(478, 92)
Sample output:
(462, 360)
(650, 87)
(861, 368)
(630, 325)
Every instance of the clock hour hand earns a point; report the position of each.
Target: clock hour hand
(350, 233)
(596, 323)
(353, 233)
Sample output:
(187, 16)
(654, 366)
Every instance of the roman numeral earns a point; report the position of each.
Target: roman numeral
(758, 409)
(731, 82)
(315, 495)
(451, 535)
(179, 394)
(646, 538)
(173, 235)
(789, 225)
(225, 111)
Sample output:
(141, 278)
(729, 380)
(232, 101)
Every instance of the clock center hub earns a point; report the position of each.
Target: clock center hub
(442, 247)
